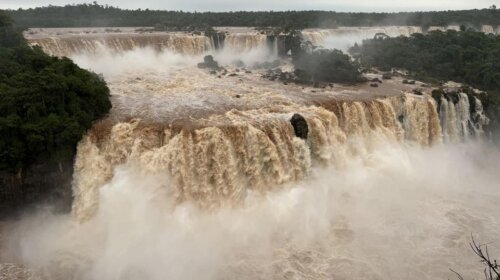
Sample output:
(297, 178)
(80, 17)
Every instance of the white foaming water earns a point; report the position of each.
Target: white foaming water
(401, 212)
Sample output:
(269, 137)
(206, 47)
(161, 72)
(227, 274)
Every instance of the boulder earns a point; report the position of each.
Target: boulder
(300, 127)
(374, 85)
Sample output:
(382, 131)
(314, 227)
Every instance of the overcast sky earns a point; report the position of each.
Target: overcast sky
(232, 5)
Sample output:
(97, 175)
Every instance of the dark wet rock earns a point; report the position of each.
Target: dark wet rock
(417, 92)
(248, 72)
(39, 183)
(213, 72)
(411, 82)
(237, 96)
(300, 127)
(233, 75)
(387, 76)
(405, 81)
(374, 84)
(376, 80)
(208, 62)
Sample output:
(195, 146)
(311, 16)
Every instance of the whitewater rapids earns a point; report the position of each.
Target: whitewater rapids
(185, 180)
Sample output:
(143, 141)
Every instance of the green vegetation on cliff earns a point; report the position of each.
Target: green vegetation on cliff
(46, 103)
(85, 15)
(464, 56)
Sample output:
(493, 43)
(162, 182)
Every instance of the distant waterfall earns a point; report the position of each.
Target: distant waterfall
(116, 43)
(461, 116)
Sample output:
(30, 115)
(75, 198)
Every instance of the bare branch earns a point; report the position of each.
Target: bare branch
(491, 266)
(458, 274)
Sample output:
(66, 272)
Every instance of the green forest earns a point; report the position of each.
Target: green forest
(95, 15)
(46, 103)
(466, 56)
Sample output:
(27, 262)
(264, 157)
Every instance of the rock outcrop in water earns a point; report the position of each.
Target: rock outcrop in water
(299, 126)
(209, 62)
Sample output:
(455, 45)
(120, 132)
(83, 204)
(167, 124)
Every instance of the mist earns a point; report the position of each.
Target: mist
(142, 60)
(400, 212)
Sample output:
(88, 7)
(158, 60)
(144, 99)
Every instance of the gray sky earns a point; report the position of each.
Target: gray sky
(232, 5)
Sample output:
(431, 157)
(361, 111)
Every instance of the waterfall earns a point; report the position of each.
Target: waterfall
(460, 118)
(488, 29)
(238, 177)
(245, 41)
(117, 43)
(344, 37)
(68, 43)
(216, 161)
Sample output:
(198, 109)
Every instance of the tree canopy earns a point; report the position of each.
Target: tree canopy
(46, 103)
(88, 15)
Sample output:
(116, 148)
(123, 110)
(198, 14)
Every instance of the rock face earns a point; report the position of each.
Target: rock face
(299, 126)
(42, 182)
